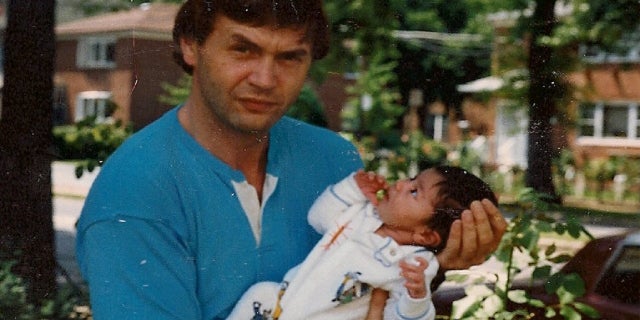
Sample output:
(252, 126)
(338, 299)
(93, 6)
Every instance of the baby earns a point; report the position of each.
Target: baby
(370, 240)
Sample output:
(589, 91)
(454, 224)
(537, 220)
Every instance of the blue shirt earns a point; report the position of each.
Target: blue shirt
(163, 235)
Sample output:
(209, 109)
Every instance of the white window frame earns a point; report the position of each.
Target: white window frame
(439, 122)
(92, 103)
(598, 122)
(93, 53)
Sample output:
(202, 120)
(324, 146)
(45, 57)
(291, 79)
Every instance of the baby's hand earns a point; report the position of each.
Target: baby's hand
(413, 272)
(370, 183)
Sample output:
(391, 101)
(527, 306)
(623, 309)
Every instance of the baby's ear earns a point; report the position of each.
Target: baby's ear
(427, 238)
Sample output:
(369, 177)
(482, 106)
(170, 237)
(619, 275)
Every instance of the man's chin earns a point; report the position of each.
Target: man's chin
(258, 129)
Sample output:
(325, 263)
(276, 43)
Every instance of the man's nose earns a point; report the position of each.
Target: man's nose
(264, 74)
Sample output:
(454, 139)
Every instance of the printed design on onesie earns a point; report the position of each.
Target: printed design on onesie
(340, 232)
(268, 314)
(259, 314)
(351, 288)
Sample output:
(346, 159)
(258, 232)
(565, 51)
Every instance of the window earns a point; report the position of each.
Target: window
(587, 119)
(621, 281)
(60, 105)
(435, 126)
(96, 52)
(636, 119)
(609, 120)
(94, 104)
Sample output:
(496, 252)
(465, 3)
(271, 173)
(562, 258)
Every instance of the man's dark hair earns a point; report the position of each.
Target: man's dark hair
(195, 20)
(457, 190)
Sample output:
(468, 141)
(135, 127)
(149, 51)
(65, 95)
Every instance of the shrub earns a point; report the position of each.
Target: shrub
(308, 108)
(89, 142)
(15, 305)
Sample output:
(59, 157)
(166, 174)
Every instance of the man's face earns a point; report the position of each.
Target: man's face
(249, 76)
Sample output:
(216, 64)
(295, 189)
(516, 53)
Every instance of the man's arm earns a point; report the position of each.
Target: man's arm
(137, 269)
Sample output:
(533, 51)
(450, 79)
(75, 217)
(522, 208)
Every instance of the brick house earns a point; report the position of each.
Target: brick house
(605, 108)
(118, 59)
(608, 106)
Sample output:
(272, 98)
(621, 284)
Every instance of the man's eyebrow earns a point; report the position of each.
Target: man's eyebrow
(296, 52)
(238, 38)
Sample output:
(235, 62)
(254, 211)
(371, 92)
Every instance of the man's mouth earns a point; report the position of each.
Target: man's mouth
(258, 105)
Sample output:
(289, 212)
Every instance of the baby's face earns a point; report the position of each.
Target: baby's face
(410, 203)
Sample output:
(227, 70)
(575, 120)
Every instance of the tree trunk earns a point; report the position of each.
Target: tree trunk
(541, 101)
(26, 228)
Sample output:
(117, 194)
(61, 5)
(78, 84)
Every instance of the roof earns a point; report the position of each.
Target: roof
(154, 18)
(487, 84)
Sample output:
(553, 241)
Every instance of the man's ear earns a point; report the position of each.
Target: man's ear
(427, 238)
(189, 48)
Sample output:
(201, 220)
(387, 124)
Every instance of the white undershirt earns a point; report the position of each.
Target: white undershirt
(250, 203)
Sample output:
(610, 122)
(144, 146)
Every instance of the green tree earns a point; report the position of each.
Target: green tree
(364, 45)
(308, 108)
(385, 59)
(455, 50)
(25, 146)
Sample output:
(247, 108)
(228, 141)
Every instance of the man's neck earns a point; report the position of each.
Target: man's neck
(246, 152)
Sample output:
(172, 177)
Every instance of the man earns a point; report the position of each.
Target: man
(213, 197)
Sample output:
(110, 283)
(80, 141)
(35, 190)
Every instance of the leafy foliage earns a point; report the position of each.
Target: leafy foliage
(598, 22)
(13, 295)
(410, 154)
(178, 93)
(308, 108)
(374, 108)
(494, 296)
(14, 303)
(364, 45)
(89, 142)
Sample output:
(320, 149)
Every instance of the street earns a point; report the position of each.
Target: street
(66, 211)
(69, 193)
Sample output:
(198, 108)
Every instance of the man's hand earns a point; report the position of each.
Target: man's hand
(370, 183)
(413, 274)
(473, 237)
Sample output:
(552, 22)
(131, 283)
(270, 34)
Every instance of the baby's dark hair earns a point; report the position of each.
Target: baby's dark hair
(457, 190)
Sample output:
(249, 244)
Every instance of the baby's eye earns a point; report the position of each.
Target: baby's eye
(414, 193)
